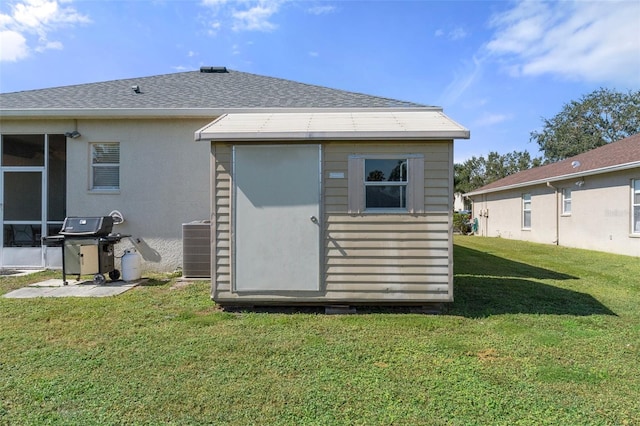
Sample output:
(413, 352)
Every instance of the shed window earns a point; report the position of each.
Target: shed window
(526, 211)
(566, 201)
(105, 166)
(386, 184)
(635, 201)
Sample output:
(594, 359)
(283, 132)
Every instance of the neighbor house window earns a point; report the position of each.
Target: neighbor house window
(105, 166)
(526, 211)
(386, 183)
(566, 201)
(635, 201)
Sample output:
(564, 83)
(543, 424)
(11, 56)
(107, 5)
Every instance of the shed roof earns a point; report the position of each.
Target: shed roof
(620, 155)
(193, 93)
(429, 123)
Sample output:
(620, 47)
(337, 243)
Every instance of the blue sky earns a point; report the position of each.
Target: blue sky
(497, 67)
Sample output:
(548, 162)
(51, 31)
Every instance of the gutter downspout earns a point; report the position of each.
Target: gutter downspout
(557, 214)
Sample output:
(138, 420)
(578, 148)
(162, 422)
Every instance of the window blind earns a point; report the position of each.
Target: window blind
(105, 165)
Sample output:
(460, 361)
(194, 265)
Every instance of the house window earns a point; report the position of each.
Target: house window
(635, 201)
(23, 150)
(526, 211)
(105, 166)
(381, 184)
(566, 201)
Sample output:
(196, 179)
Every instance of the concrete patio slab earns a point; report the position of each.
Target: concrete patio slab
(58, 283)
(56, 288)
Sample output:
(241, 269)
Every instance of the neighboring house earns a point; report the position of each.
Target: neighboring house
(590, 201)
(460, 203)
(128, 145)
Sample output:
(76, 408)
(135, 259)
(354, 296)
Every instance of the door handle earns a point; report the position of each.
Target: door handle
(314, 219)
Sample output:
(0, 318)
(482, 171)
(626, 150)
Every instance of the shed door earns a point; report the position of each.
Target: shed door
(276, 211)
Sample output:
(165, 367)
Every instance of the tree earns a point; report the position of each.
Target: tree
(478, 171)
(598, 118)
(469, 175)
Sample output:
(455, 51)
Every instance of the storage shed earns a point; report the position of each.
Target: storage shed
(332, 207)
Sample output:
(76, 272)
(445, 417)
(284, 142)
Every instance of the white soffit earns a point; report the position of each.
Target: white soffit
(365, 125)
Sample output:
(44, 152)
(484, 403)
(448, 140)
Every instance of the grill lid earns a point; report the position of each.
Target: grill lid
(87, 226)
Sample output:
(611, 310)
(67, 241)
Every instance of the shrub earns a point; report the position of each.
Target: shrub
(462, 222)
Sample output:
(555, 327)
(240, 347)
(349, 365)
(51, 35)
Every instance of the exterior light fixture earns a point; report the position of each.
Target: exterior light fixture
(73, 135)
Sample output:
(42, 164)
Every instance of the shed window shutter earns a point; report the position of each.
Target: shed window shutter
(355, 182)
(415, 189)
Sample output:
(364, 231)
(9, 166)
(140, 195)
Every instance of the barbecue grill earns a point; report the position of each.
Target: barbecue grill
(87, 247)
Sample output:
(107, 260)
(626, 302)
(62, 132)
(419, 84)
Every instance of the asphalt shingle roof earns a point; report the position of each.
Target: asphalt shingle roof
(195, 89)
(624, 151)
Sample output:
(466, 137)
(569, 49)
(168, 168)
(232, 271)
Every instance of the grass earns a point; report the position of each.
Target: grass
(537, 335)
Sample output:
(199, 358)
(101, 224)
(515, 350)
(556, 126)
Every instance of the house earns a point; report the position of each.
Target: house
(460, 203)
(128, 146)
(590, 201)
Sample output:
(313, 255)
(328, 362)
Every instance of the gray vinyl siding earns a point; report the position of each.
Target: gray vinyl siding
(367, 258)
(221, 219)
(389, 257)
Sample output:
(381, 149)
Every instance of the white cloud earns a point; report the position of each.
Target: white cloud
(314, 54)
(49, 45)
(214, 27)
(584, 41)
(321, 10)
(214, 3)
(256, 18)
(13, 46)
(489, 119)
(457, 33)
(475, 103)
(462, 81)
(243, 15)
(27, 27)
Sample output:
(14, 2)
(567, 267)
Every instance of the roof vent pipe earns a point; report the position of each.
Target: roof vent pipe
(213, 69)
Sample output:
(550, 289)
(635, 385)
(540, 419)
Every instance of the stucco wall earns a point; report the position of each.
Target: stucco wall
(601, 214)
(600, 217)
(164, 178)
(500, 214)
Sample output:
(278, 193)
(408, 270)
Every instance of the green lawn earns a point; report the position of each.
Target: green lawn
(537, 335)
